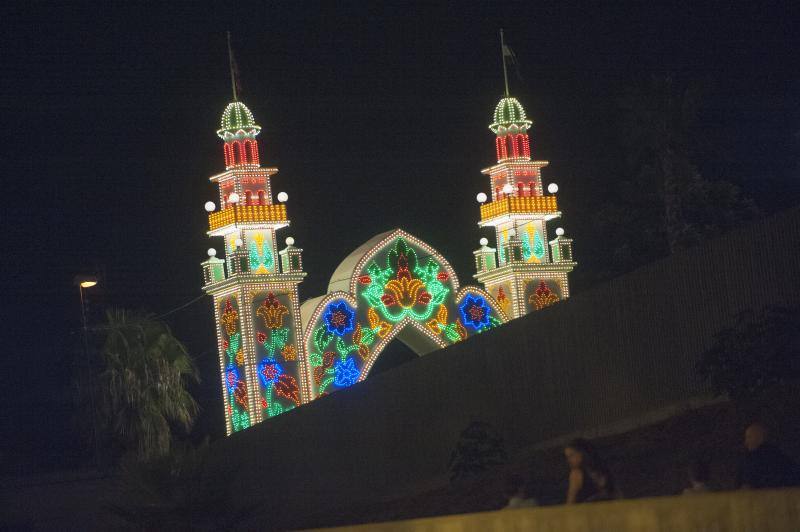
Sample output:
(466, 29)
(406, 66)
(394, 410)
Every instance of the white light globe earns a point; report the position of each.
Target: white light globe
(289, 241)
(212, 252)
(233, 198)
(283, 197)
(552, 188)
(560, 231)
(507, 188)
(210, 206)
(238, 242)
(481, 197)
(484, 241)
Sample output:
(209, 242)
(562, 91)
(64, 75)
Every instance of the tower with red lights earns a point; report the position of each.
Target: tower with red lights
(526, 272)
(254, 288)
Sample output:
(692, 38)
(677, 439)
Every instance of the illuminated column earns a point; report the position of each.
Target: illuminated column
(525, 276)
(256, 305)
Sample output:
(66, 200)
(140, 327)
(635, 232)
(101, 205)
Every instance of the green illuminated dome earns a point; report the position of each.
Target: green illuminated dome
(237, 117)
(509, 112)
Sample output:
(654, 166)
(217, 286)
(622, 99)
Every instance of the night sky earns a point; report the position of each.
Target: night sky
(376, 117)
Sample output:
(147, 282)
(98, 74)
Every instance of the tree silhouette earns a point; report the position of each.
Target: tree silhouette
(479, 447)
(758, 357)
(661, 202)
(141, 384)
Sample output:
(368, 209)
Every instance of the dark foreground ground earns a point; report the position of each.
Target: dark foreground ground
(650, 461)
(647, 462)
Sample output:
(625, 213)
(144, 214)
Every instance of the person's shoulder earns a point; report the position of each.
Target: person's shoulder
(772, 451)
(576, 474)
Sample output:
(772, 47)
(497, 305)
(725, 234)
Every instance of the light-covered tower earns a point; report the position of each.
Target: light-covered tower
(256, 304)
(525, 272)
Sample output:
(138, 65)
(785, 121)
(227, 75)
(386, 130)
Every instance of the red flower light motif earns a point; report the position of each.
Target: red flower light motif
(328, 358)
(270, 372)
(264, 403)
(365, 279)
(338, 319)
(388, 300)
(476, 313)
(225, 344)
(442, 276)
(261, 337)
(423, 298)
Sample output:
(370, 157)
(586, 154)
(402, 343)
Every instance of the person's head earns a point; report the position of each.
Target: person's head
(754, 436)
(699, 472)
(601, 476)
(514, 485)
(579, 453)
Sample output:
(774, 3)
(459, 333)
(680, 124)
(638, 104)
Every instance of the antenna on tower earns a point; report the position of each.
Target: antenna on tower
(504, 51)
(232, 65)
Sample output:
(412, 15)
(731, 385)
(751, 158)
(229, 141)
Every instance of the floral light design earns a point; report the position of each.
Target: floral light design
(339, 318)
(229, 318)
(272, 311)
(345, 373)
(542, 297)
(475, 312)
(269, 371)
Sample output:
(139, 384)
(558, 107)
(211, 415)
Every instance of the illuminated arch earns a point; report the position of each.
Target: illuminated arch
(392, 286)
(239, 152)
(228, 154)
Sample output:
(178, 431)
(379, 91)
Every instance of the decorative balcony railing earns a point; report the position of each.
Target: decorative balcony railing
(237, 214)
(519, 205)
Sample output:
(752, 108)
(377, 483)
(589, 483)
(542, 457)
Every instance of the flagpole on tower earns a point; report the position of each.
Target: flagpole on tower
(502, 52)
(233, 78)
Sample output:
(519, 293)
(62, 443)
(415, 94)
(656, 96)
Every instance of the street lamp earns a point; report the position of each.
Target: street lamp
(84, 282)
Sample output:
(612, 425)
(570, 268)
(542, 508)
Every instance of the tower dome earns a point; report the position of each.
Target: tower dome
(237, 117)
(507, 113)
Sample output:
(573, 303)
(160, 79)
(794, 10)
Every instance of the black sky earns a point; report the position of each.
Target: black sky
(376, 116)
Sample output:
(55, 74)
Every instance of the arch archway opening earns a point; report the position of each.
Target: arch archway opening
(395, 354)
(393, 287)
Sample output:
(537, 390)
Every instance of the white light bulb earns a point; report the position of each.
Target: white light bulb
(283, 197)
(484, 241)
(507, 188)
(210, 206)
(233, 198)
(560, 231)
(552, 188)
(238, 242)
(212, 252)
(481, 197)
(289, 241)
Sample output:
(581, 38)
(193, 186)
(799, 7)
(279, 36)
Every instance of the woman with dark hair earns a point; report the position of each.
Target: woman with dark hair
(589, 479)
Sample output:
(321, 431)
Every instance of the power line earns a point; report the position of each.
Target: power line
(202, 296)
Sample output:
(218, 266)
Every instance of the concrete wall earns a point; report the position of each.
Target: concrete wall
(618, 351)
(760, 511)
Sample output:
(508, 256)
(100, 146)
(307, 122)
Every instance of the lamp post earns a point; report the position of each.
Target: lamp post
(84, 282)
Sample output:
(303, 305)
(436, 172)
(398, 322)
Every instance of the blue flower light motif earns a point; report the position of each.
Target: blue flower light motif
(475, 312)
(231, 378)
(269, 371)
(339, 318)
(345, 373)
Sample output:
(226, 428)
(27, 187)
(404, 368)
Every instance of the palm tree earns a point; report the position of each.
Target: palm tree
(142, 383)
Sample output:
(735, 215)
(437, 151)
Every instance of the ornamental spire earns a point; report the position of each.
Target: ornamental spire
(234, 69)
(504, 51)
